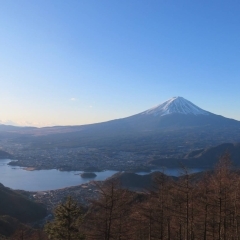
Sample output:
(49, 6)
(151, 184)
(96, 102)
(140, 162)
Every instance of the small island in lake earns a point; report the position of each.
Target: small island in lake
(88, 175)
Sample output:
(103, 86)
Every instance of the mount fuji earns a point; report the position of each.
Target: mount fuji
(163, 128)
(176, 112)
(159, 136)
(176, 105)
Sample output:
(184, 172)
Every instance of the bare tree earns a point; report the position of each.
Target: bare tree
(108, 216)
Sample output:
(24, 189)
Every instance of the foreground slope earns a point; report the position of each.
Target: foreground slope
(20, 207)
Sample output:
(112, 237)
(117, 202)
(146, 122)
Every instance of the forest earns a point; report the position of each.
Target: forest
(205, 206)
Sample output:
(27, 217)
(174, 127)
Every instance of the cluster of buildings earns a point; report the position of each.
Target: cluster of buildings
(75, 159)
(82, 193)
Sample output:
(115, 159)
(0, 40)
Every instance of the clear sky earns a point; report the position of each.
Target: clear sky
(85, 61)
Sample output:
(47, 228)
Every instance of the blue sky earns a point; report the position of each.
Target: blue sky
(85, 61)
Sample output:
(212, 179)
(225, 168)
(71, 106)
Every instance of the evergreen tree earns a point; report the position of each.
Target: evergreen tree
(66, 223)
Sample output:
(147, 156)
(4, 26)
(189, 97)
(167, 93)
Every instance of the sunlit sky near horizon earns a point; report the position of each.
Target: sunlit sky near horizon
(85, 61)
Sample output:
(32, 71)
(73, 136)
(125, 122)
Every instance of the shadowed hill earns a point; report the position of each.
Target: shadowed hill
(12, 229)
(19, 207)
(204, 157)
(133, 181)
(4, 155)
(8, 225)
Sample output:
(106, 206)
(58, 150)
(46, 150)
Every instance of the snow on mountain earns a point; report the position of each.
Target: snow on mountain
(176, 105)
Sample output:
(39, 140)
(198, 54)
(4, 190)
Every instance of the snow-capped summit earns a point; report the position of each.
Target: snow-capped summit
(176, 105)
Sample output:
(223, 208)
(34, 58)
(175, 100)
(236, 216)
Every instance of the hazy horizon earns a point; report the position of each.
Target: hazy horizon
(80, 62)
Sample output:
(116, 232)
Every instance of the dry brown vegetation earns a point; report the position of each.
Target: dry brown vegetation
(183, 209)
(188, 208)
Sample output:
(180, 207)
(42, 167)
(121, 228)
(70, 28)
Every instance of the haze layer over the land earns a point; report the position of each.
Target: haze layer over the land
(81, 62)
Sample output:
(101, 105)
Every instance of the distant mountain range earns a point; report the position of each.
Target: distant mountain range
(177, 112)
(176, 122)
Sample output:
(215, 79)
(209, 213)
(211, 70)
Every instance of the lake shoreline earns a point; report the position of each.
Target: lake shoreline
(31, 179)
(145, 169)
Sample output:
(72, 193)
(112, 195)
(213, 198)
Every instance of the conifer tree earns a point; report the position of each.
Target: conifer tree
(66, 223)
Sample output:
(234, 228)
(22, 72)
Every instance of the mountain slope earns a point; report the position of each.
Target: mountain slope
(135, 182)
(176, 122)
(176, 112)
(204, 157)
(19, 207)
(4, 155)
(176, 105)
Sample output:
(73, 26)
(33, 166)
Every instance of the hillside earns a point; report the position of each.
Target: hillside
(9, 225)
(136, 182)
(4, 155)
(19, 206)
(203, 158)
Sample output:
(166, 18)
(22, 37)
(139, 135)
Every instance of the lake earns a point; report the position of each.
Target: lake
(43, 180)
